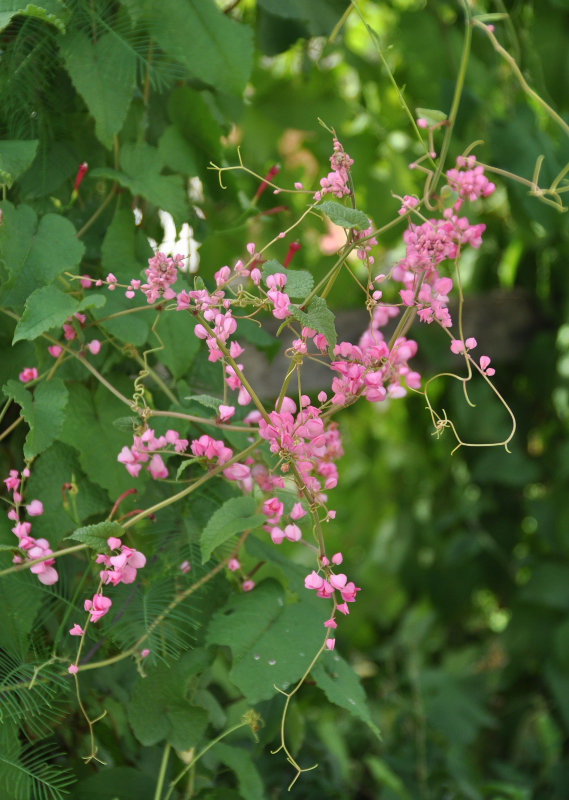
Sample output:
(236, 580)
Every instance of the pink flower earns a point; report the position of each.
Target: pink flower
(72, 669)
(185, 567)
(248, 586)
(76, 630)
(337, 558)
(97, 607)
(157, 467)
(297, 511)
(313, 581)
(233, 565)
(330, 644)
(331, 623)
(292, 533)
(226, 412)
(54, 350)
(113, 543)
(12, 481)
(35, 508)
(28, 374)
(144, 653)
(94, 346)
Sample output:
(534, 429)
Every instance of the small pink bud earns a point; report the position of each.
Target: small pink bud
(233, 565)
(114, 543)
(337, 558)
(248, 586)
(94, 346)
(330, 644)
(331, 623)
(54, 350)
(144, 653)
(76, 630)
(72, 669)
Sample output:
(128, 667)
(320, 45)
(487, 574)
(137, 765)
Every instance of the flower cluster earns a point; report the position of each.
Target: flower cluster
(143, 450)
(337, 181)
(28, 546)
(120, 568)
(327, 585)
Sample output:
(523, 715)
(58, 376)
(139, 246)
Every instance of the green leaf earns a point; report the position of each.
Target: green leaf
(272, 644)
(35, 254)
(104, 74)
(159, 709)
(43, 412)
(319, 15)
(343, 215)
(96, 535)
(235, 515)
(342, 686)
(52, 11)
(48, 308)
(176, 152)
(20, 604)
(89, 429)
(299, 282)
(240, 762)
(318, 317)
(140, 174)
(15, 157)
(215, 48)
(432, 115)
(176, 330)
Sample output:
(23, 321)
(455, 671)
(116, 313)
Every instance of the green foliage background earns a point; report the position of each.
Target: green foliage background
(460, 634)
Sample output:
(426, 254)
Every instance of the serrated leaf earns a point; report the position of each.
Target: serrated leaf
(15, 157)
(52, 11)
(95, 536)
(299, 282)
(432, 115)
(104, 74)
(33, 253)
(48, 308)
(43, 412)
(272, 643)
(318, 317)
(342, 686)
(344, 215)
(215, 48)
(236, 515)
(205, 400)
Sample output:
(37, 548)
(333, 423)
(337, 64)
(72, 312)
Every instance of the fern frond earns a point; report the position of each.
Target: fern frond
(33, 708)
(26, 771)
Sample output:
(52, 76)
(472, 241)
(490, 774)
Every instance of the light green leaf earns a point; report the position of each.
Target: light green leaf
(299, 282)
(52, 11)
(272, 644)
(318, 317)
(104, 74)
(215, 48)
(15, 157)
(240, 762)
(96, 535)
(343, 215)
(43, 412)
(342, 686)
(236, 515)
(432, 115)
(48, 308)
(35, 254)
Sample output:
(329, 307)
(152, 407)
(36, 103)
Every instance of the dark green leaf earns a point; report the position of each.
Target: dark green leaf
(215, 48)
(52, 11)
(43, 412)
(342, 686)
(48, 308)
(235, 515)
(104, 75)
(15, 156)
(96, 535)
(240, 762)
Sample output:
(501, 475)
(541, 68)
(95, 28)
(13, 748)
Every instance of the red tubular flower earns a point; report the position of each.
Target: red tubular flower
(80, 175)
(269, 176)
(292, 249)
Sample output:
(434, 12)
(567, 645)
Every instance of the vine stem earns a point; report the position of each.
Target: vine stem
(162, 772)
